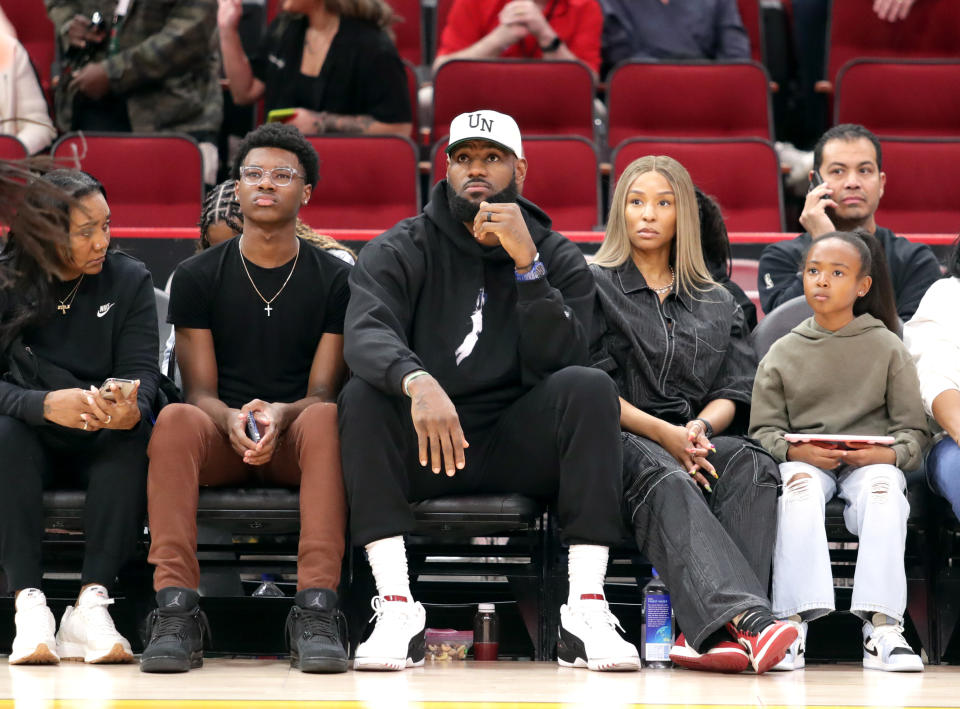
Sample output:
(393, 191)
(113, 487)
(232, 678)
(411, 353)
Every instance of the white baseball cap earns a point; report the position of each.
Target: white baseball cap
(498, 128)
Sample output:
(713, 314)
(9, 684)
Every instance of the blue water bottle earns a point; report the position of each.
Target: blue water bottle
(657, 635)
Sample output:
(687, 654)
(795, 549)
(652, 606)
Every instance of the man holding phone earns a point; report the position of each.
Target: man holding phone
(467, 332)
(259, 338)
(846, 185)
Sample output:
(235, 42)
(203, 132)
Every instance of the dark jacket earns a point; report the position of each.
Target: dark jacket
(109, 331)
(419, 290)
(670, 359)
(913, 269)
(164, 62)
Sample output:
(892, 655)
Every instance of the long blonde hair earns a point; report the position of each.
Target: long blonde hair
(686, 252)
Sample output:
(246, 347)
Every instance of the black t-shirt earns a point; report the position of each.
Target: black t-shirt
(362, 74)
(261, 356)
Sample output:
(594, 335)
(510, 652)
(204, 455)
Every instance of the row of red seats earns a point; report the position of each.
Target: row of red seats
(372, 182)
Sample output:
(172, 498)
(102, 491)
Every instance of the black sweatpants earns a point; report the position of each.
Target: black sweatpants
(560, 439)
(110, 465)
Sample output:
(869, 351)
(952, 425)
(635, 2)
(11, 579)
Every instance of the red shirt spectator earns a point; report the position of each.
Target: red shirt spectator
(577, 23)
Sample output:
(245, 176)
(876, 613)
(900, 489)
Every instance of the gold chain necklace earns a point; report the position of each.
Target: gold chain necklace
(243, 261)
(64, 305)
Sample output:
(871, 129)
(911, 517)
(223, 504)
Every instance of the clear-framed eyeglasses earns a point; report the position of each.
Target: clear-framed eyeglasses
(279, 176)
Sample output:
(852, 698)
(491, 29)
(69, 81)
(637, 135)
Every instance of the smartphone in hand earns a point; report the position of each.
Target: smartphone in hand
(816, 181)
(125, 387)
(253, 430)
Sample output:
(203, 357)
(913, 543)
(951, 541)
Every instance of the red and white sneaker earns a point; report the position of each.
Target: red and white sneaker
(765, 638)
(725, 656)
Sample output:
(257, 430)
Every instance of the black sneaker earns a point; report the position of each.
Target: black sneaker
(178, 631)
(316, 632)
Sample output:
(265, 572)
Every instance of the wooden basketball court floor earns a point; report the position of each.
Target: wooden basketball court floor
(271, 684)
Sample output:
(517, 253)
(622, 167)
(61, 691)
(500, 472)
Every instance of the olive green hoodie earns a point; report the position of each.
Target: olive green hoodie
(857, 380)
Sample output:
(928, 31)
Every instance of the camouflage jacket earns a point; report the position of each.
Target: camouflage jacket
(164, 61)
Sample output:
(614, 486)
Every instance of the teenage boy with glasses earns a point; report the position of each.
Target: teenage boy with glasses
(259, 332)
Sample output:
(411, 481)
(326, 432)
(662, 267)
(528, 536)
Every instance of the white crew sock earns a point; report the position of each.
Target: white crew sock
(388, 561)
(586, 569)
(30, 598)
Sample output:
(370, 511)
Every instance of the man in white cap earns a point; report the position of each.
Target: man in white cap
(470, 323)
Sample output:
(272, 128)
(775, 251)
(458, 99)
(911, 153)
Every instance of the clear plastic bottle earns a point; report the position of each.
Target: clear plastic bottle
(486, 633)
(267, 587)
(657, 635)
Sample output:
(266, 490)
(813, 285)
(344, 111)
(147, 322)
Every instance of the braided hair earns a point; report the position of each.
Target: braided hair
(220, 205)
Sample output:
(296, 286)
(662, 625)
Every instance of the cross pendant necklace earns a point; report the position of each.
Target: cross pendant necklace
(243, 262)
(64, 306)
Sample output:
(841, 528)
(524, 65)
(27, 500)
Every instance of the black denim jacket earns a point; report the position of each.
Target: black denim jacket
(670, 359)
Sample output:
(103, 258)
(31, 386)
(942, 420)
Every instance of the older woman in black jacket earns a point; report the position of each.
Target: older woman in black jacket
(675, 343)
(78, 333)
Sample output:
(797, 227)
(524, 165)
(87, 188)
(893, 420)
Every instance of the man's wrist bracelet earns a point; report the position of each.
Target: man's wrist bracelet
(405, 387)
(553, 45)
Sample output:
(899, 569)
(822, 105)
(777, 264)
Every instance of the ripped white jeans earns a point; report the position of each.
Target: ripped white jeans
(876, 512)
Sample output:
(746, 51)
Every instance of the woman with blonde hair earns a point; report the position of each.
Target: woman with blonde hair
(332, 62)
(702, 505)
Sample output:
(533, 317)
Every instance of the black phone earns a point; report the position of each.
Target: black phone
(815, 180)
(253, 431)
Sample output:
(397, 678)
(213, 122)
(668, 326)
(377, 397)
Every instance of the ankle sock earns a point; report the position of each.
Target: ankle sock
(586, 569)
(388, 561)
(879, 619)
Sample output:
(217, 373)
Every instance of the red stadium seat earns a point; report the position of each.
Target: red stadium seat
(11, 148)
(571, 201)
(694, 100)
(922, 192)
(743, 175)
(151, 180)
(752, 19)
(919, 98)
(929, 32)
(35, 32)
(544, 97)
(407, 30)
(366, 182)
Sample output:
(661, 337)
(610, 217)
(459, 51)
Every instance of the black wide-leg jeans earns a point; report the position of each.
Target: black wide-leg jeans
(713, 551)
(560, 439)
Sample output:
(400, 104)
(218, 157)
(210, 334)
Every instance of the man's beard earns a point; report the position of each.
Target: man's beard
(463, 210)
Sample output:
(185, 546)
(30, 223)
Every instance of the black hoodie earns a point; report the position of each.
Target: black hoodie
(414, 297)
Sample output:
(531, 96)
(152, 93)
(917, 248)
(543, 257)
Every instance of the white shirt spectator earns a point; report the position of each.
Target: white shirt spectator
(23, 110)
(933, 338)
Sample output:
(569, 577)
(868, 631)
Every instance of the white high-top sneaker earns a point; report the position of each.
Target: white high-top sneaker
(795, 658)
(34, 643)
(87, 632)
(588, 638)
(397, 640)
(884, 648)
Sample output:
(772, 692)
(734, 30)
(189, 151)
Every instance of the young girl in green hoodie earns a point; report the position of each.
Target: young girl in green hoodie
(843, 371)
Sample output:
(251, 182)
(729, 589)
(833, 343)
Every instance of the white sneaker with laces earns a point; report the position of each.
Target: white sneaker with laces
(397, 640)
(884, 648)
(34, 643)
(87, 632)
(588, 638)
(795, 657)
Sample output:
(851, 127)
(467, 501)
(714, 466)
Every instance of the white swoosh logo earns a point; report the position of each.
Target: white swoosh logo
(104, 309)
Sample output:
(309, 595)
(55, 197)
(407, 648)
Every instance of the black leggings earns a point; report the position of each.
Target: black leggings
(561, 438)
(110, 465)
